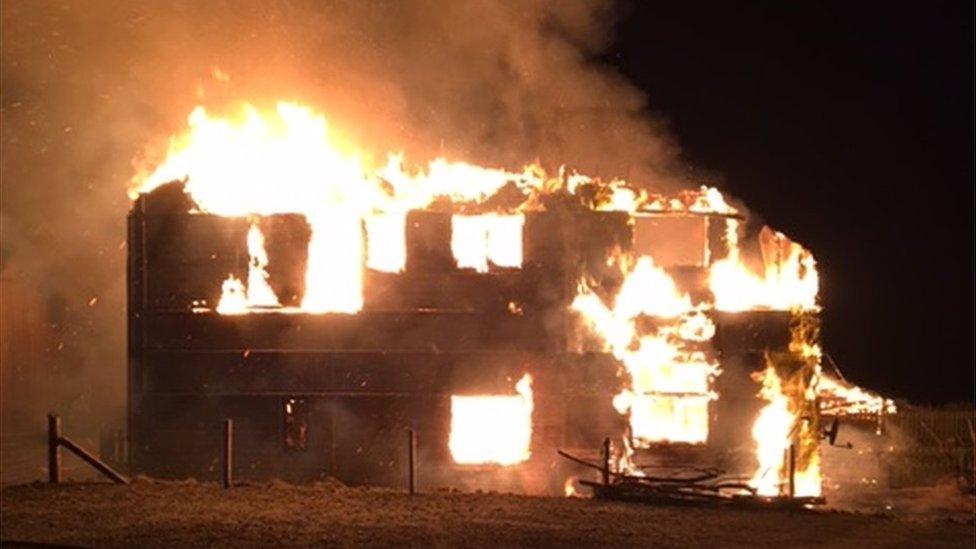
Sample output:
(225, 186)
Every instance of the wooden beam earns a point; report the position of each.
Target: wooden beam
(53, 448)
(228, 453)
(98, 464)
(412, 460)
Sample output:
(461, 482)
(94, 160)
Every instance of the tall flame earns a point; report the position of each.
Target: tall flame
(772, 432)
(787, 430)
(283, 161)
(235, 297)
(779, 431)
(669, 383)
(334, 276)
(289, 160)
(259, 292)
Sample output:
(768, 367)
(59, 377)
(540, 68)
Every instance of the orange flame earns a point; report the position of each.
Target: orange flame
(789, 281)
(840, 397)
(772, 432)
(670, 385)
(289, 160)
(786, 431)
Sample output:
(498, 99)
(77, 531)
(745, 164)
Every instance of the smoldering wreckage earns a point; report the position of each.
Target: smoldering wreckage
(543, 333)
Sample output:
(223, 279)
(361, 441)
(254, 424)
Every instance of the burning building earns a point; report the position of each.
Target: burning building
(326, 307)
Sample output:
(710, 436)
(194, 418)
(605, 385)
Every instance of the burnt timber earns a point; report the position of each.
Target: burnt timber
(354, 383)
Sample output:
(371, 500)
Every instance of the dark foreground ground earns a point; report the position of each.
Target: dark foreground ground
(168, 514)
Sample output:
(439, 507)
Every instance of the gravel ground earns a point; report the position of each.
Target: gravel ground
(183, 514)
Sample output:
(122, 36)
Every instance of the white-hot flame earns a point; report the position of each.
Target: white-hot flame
(288, 160)
(492, 428)
(480, 240)
(259, 291)
(669, 390)
(783, 435)
(789, 280)
(334, 276)
(233, 297)
(386, 240)
(283, 161)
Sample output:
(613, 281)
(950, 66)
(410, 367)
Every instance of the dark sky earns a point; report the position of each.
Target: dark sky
(850, 128)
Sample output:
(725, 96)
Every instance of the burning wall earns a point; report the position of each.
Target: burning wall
(527, 267)
(429, 341)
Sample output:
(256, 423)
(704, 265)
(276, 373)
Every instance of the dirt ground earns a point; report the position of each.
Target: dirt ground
(182, 514)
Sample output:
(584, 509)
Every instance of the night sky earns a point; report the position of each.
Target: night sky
(850, 128)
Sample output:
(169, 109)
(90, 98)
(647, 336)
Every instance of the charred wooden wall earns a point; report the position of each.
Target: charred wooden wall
(424, 334)
(360, 380)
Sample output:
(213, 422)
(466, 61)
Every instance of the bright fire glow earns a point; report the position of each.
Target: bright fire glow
(667, 418)
(789, 280)
(840, 397)
(289, 160)
(259, 292)
(284, 161)
(334, 276)
(457, 181)
(669, 390)
(778, 429)
(477, 240)
(233, 297)
(570, 490)
(772, 432)
(386, 241)
(492, 429)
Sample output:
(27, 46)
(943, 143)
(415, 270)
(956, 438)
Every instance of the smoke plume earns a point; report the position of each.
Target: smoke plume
(89, 88)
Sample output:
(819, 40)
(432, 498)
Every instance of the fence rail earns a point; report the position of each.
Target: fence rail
(56, 440)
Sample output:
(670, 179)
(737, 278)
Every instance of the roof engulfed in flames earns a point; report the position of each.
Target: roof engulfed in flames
(287, 160)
